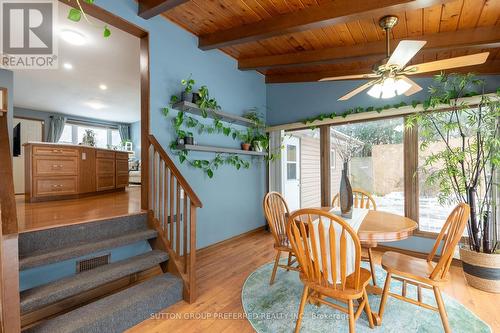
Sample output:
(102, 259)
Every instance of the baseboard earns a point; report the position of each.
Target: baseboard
(229, 240)
(422, 255)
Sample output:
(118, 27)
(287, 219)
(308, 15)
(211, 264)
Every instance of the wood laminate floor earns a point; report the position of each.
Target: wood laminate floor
(222, 270)
(44, 215)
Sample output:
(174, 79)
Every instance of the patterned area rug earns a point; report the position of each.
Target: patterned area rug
(273, 309)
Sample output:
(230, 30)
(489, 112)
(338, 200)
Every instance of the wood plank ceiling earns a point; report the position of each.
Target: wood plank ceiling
(309, 51)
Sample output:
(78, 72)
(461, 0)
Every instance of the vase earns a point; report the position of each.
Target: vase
(481, 270)
(345, 193)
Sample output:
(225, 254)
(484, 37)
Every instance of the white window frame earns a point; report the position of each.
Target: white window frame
(74, 132)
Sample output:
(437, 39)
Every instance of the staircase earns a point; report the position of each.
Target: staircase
(107, 307)
(109, 292)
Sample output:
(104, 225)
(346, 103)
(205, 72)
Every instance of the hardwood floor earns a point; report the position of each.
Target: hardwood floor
(222, 270)
(44, 215)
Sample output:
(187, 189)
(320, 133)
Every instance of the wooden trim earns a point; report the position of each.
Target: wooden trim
(410, 152)
(5, 100)
(491, 67)
(9, 286)
(145, 121)
(314, 17)
(231, 239)
(373, 115)
(151, 8)
(479, 38)
(173, 169)
(108, 17)
(325, 170)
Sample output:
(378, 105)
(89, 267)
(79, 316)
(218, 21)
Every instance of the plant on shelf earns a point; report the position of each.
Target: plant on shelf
(466, 170)
(187, 93)
(89, 138)
(76, 14)
(246, 138)
(205, 103)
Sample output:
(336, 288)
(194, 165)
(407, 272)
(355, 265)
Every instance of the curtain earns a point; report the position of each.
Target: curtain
(275, 142)
(56, 128)
(124, 132)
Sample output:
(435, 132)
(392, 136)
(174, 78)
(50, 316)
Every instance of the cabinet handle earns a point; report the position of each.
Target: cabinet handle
(57, 150)
(57, 166)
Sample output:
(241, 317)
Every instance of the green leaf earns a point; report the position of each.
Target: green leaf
(226, 131)
(182, 158)
(89, 1)
(210, 173)
(75, 15)
(106, 33)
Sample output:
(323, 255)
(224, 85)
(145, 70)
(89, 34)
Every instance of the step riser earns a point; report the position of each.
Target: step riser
(60, 237)
(120, 311)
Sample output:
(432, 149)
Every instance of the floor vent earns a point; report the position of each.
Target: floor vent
(91, 263)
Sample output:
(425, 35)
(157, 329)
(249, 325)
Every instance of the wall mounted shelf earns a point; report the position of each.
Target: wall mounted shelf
(227, 117)
(220, 150)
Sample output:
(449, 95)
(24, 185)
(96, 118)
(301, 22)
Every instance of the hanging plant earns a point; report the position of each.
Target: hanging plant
(76, 14)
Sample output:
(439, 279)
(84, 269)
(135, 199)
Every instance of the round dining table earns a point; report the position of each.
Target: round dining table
(380, 227)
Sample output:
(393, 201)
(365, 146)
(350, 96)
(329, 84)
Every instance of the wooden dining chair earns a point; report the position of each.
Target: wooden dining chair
(362, 199)
(277, 212)
(424, 273)
(321, 272)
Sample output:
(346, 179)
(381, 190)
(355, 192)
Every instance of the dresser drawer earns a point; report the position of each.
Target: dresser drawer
(105, 154)
(121, 181)
(105, 166)
(55, 186)
(121, 156)
(55, 166)
(55, 151)
(105, 182)
(122, 167)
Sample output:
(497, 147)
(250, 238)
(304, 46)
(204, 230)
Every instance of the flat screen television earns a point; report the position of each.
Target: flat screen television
(16, 140)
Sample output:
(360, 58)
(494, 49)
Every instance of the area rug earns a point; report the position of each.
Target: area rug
(273, 309)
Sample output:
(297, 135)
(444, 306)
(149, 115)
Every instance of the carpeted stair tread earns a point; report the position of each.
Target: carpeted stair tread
(61, 237)
(41, 296)
(81, 249)
(120, 311)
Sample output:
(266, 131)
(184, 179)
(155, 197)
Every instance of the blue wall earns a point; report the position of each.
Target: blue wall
(297, 101)
(232, 199)
(293, 102)
(45, 116)
(7, 81)
(135, 136)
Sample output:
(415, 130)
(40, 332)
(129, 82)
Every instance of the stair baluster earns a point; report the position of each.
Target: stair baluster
(172, 212)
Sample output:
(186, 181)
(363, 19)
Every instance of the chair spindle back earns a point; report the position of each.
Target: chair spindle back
(361, 199)
(277, 212)
(311, 246)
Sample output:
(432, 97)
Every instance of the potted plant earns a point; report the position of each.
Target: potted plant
(467, 168)
(89, 138)
(187, 94)
(189, 138)
(246, 139)
(260, 142)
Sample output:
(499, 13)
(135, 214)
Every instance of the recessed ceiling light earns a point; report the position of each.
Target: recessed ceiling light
(103, 86)
(67, 66)
(73, 37)
(95, 105)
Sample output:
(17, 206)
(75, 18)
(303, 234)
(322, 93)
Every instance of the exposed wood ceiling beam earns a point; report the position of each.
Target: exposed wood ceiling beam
(151, 8)
(331, 13)
(488, 37)
(490, 67)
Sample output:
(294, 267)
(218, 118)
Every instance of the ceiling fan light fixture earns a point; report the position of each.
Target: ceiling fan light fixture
(389, 88)
(402, 86)
(375, 91)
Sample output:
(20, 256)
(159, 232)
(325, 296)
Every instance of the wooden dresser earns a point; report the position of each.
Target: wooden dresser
(55, 171)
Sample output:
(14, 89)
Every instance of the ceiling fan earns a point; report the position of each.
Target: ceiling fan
(390, 75)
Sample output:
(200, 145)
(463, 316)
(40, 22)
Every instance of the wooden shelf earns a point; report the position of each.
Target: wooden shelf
(220, 150)
(227, 117)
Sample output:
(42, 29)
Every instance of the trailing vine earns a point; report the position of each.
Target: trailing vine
(76, 14)
(414, 103)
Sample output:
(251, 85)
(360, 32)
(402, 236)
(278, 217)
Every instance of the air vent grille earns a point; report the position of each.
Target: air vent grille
(91, 263)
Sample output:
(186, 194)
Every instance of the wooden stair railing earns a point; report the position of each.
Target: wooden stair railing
(172, 212)
(10, 316)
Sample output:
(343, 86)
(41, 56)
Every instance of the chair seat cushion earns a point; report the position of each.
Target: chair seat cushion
(408, 266)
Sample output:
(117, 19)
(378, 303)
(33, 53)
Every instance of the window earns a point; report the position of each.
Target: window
(333, 159)
(105, 137)
(67, 135)
(116, 140)
(376, 165)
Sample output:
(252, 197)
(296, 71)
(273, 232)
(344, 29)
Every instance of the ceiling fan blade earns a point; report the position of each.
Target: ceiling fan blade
(350, 77)
(405, 50)
(463, 61)
(357, 90)
(415, 88)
